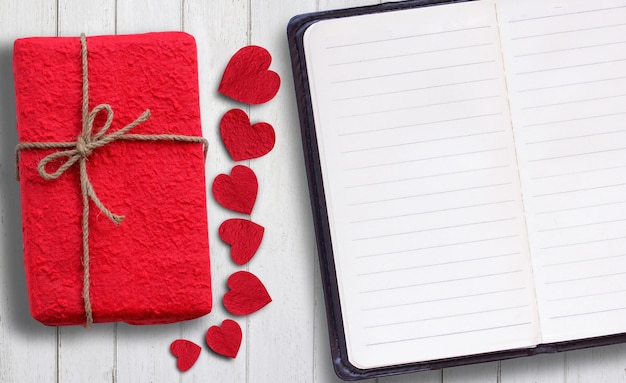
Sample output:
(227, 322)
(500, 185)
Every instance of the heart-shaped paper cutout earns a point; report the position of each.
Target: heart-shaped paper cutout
(247, 294)
(238, 191)
(247, 78)
(225, 339)
(187, 353)
(243, 236)
(244, 141)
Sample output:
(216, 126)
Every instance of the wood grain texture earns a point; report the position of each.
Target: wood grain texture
(28, 350)
(141, 351)
(140, 16)
(76, 17)
(288, 320)
(600, 364)
(480, 373)
(544, 368)
(220, 28)
(285, 342)
(77, 345)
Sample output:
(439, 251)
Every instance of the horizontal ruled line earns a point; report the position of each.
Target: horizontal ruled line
(428, 176)
(571, 49)
(413, 71)
(424, 123)
(439, 246)
(581, 207)
(426, 159)
(570, 66)
(443, 281)
(416, 107)
(424, 141)
(575, 137)
(445, 299)
(407, 37)
(585, 278)
(567, 14)
(582, 225)
(570, 262)
(575, 119)
(448, 316)
(587, 295)
(573, 102)
(573, 84)
(588, 313)
(433, 211)
(583, 243)
(579, 190)
(434, 229)
(579, 172)
(568, 31)
(577, 154)
(415, 89)
(437, 264)
(410, 54)
(428, 194)
(449, 334)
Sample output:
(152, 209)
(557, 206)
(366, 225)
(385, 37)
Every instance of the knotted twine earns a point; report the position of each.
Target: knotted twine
(81, 149)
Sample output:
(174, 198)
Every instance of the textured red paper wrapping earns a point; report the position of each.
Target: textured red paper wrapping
(153, 267)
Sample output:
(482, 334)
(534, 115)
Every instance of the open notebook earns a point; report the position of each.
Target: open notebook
(467, 168)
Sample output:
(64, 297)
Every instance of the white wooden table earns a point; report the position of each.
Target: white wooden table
(287, 340)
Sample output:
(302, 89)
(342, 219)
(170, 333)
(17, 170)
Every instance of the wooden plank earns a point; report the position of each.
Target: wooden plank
(419, 377)
(86, 355)
(143, 352)
(281, 335)
(330, 4)
(220, 28)
(478, 373)
(599, 364)
(91, 18)
(148, 16)
(547, 368)
(27, 348)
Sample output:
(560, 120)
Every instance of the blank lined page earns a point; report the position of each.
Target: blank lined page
(566, 67)
(421, 182)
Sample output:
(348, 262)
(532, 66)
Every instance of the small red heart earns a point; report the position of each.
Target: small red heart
(187, 353)
(247, 78)
(244, 141)
(243, 236)
(238, 191)
(247, 294)
(225, 340)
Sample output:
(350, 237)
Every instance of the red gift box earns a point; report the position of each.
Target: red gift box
(153, 267)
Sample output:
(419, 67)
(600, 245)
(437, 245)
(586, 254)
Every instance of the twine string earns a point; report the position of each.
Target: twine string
(81, 149)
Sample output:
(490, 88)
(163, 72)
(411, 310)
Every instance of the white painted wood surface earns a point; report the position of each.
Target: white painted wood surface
(287, 340)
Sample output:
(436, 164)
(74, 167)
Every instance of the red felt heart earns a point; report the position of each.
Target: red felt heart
(225, 340)
(187, 353)
(247, 294)
(247, 78)
(238, 191)
(244, 237)
(244, 141)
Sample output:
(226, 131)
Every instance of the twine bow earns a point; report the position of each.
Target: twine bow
(81, 149)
